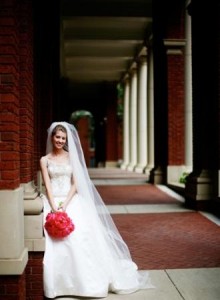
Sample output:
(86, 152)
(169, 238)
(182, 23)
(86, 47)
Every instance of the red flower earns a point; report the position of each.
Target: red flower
(58, 225)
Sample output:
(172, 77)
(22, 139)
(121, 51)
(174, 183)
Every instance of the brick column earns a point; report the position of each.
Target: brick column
(175, 66)
(13, 254)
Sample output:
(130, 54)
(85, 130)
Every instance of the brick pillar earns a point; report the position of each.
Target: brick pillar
(175, 68)
(26, 93)
(13, 287)
(13, 254)
(34, 276)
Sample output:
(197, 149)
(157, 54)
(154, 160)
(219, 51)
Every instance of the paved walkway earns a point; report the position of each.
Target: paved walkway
(179, 247)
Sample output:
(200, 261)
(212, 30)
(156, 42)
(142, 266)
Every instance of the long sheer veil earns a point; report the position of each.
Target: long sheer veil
(88, 191)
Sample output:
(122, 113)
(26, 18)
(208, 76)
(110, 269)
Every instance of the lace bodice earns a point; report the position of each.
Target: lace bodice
(60, 175)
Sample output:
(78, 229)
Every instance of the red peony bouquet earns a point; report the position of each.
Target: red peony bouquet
(58, 225)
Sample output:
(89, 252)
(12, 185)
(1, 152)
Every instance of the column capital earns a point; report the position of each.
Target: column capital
(133, 68)
(143, 52)
(174, 46)
(142, 59)
(126, 77)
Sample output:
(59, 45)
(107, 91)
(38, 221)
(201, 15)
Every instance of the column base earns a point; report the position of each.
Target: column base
(157, 175)
(199, 191)
(111, 164)
(139, 168)
(148, 169)
(124, 165)
(131, 167)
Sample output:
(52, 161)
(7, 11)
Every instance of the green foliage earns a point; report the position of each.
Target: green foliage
(183, 177)
(120, 106)
(120, 91)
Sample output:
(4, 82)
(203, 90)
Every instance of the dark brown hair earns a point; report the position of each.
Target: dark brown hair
(59, 127)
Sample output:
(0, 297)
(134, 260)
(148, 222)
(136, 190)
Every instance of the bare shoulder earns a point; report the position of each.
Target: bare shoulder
(43, 160)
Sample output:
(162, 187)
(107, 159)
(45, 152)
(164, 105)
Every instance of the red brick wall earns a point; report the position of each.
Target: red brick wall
(9, 97)
(28, 286)
(34, 276)
(120, 139)
(12, 287)
(26, 92)
(16, 94)
(175, 81)
(16, 112)
(175, 110)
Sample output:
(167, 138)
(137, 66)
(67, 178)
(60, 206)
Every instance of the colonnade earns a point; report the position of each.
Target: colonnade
(138, 128)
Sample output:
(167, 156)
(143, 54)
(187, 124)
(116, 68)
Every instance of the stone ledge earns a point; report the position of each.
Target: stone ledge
(35, 245)
(14, 266)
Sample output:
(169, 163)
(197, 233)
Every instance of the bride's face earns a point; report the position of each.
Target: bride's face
(59, 139)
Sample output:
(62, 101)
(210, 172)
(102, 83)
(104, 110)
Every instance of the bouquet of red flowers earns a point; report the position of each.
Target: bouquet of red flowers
(59, 224)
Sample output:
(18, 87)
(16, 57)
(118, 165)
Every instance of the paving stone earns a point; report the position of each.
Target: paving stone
(197, 284)
(134, 194)
(170, 240)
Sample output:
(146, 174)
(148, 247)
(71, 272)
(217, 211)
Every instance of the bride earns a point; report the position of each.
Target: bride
(94, 259)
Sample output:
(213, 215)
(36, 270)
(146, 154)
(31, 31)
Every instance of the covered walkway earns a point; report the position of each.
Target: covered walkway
(180, 247)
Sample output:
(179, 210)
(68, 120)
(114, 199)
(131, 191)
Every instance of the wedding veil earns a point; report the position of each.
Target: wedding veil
(89, 193)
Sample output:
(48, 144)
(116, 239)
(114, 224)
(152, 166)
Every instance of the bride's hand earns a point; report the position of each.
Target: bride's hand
(60, 207)
(63, 208)
(55, 210)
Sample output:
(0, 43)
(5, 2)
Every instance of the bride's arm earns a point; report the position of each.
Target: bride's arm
(70, 195)
(46, 179)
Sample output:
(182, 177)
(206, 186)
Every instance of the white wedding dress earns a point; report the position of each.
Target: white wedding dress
(82, 264)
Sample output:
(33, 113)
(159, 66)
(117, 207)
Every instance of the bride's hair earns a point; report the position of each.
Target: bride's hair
(57, 128)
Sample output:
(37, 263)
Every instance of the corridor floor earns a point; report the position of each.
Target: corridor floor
(180, 247)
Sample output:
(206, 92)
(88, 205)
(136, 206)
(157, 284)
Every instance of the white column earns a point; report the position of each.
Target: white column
(188, 94)
(126, 124)
(133, 119)
(142, 116)
(150, 116)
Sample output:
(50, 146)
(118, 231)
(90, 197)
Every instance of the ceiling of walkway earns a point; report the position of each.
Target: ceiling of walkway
(101, 38)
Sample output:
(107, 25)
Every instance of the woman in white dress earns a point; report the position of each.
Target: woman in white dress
(94, 259)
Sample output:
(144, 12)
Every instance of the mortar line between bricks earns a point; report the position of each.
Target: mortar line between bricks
(174, 285)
